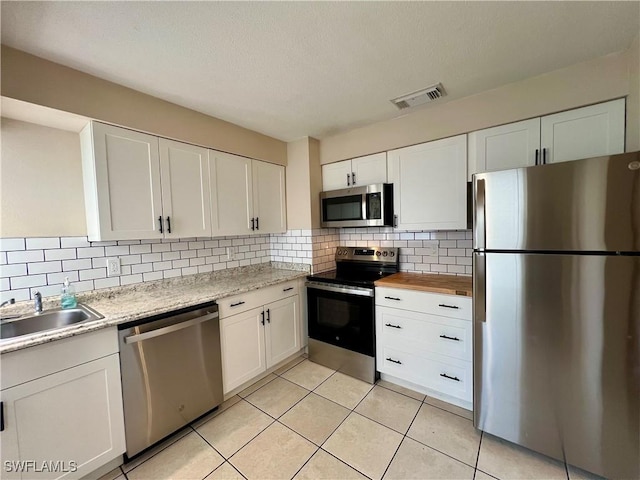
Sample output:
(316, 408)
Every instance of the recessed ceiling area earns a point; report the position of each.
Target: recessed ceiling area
(295, 69)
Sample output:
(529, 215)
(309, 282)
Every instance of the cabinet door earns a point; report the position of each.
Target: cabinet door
(73, 415)
(283, 329)
(121, 171)
(269, 197)
(336, 175)
(507, 146)
(186, 206)
(430, 181)
(231, 198)
(242, 345)
(584, 132)
(369, 169)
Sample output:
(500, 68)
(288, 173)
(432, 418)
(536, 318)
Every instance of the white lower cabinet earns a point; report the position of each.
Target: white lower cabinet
(64, 424)
(264, 331)
(426, 339)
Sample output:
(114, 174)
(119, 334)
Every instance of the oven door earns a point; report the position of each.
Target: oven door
(342, 316)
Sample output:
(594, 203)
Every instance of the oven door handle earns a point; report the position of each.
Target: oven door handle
(364, 292)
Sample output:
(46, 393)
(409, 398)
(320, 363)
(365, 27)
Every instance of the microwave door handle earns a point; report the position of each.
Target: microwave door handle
(363, 215)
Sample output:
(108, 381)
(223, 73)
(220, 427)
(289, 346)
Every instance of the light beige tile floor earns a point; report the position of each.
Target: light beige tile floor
(307, 422)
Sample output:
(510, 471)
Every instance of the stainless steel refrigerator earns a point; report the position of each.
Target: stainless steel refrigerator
(557, 310)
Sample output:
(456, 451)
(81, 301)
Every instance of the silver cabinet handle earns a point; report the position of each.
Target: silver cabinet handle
(170, 329)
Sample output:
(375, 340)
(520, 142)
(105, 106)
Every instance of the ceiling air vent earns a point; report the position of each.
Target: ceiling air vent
(420, 97)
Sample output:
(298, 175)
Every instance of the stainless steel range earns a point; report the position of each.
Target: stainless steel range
(341, 310)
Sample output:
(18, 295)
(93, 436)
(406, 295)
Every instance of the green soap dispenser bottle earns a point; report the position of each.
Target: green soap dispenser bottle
(68, 296)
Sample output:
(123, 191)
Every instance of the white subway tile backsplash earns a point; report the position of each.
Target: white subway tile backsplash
(13, 270)
(25, 256)
(88, 252)
(106, 282)
(28, 281)
(151, 276)
(74, 242)
(130, 259)
(54, 278)
(44, 267)
(146, 248)
(9, 244)
(93, 273)
(115, 251)
(151, 257)
(76, 264)
(142, 268)
(60, 254)
(172, 273)
(160, 247)
(42, 243)
(4, 284)
(129, 279)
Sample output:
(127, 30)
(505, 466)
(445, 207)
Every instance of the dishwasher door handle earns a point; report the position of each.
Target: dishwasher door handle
(170, 329)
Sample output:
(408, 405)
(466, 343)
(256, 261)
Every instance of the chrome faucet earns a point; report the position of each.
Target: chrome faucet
(11, 301)
(37, 296)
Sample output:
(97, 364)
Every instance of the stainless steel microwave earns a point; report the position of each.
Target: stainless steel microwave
(367, 206)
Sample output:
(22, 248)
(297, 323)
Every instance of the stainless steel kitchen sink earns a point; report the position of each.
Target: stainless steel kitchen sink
(47, 320)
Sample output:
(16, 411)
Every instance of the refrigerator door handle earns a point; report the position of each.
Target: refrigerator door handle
(479, 288)
(479, 233)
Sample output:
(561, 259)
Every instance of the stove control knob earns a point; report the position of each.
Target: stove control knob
(377, 253)
(392, 254)
(384, 254)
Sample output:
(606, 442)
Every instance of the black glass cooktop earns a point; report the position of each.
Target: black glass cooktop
(358, 279)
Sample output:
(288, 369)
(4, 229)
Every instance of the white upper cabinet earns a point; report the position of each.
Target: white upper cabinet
(184, 173)
(356, 172)
(269, 210)
(430, 182)
(121, 172)
(507, 146)
(248, 196)
(584, 132)
(580, 133)
(232, 197)
(335, 175)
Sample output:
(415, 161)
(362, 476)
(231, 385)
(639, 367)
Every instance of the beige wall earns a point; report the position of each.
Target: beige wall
(304, 183)
(41, 191)
(633, 101)
(600, 79)
(35, 80)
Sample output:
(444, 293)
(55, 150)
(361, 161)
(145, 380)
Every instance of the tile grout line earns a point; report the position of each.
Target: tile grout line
(475, 470)
(402, 441)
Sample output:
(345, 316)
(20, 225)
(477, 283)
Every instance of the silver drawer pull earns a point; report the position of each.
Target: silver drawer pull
(392, 325)
(392, 298)
(287, 289)
(450, 378)
(236, 304)
(394, 361)
(450, 338)
(444, 305)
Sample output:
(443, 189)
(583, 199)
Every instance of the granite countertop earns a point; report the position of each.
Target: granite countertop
(447, 284)
(124, 304)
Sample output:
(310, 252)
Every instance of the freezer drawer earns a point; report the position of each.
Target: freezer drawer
(557, 356)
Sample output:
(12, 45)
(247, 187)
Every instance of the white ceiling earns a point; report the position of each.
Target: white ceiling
(313, 68)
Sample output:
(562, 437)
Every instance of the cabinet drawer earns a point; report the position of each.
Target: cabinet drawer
(454, 306)
(421, 332)
(256, 298)
(445, 375)
(239, 303)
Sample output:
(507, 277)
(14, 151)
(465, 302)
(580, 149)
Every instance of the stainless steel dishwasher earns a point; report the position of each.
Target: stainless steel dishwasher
(171, 372)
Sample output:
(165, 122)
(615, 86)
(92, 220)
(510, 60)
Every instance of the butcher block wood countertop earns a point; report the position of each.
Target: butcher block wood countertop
(448, 284)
